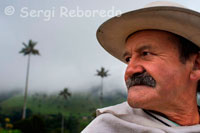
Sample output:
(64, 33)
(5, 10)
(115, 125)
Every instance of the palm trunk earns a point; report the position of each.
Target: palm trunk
(101, 93)
(26, 88)
(62, 124)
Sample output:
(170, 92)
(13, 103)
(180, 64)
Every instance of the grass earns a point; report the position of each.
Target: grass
(9, 131)
(79, 104)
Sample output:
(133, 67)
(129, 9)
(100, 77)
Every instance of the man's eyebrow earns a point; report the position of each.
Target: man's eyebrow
(137, 50)
(125, 54)
(144, 48)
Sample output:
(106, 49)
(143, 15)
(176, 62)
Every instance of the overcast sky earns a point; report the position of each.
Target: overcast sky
(70, 53)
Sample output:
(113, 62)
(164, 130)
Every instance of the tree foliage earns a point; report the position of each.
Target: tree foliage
(29, 48)
(65, 93)
(102, 72)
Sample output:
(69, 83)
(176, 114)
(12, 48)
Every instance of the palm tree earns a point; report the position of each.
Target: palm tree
(28, 50)
(65, 94)
(102, 73)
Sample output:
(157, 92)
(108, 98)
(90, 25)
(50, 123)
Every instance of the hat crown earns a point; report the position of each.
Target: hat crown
(159, 15)
(163, 3)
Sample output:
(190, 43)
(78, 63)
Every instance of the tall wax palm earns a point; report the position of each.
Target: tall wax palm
(28, 50)
(102, 73)
(65, 94)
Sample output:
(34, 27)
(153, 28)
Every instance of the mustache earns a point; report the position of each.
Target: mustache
(141, 79)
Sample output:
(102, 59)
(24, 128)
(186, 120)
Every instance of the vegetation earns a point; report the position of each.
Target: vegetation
(28, 50)
(65, 94)
(102, 73)
(44, 112)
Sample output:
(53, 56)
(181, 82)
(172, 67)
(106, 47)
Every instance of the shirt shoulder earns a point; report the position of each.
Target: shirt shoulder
(122, 118)
(118, 118)
(109, 123)
(117, 110)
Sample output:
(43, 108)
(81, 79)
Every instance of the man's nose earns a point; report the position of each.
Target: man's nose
(132, 69)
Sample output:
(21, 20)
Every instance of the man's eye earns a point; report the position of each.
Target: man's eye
(128, 59)
(145, 53)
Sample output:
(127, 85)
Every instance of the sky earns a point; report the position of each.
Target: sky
(66, 39)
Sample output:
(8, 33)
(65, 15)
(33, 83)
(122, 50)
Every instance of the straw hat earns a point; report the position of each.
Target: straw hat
(165, 16)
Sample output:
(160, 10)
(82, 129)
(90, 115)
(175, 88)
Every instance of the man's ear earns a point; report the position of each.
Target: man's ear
(195, 73)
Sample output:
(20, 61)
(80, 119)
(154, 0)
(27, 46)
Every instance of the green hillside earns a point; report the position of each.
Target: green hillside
(80, 104)
(44, 112)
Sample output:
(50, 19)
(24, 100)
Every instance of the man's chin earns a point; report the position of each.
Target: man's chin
(133, 100)
(139, 96)
(133, 104)
(138, 104)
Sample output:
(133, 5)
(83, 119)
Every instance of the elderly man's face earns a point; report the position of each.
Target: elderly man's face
(155, 76)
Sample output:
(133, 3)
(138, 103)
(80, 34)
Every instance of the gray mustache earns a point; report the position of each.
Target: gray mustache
(141, 79)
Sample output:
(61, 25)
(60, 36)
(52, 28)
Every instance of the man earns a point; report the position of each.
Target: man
(160, 45)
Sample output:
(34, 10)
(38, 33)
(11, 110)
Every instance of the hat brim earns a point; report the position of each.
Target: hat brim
(112, 34)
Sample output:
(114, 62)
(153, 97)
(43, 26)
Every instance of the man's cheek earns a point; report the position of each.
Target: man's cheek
(166, 82)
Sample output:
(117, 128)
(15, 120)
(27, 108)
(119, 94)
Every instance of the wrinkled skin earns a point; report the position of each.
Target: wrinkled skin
(156, 53)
